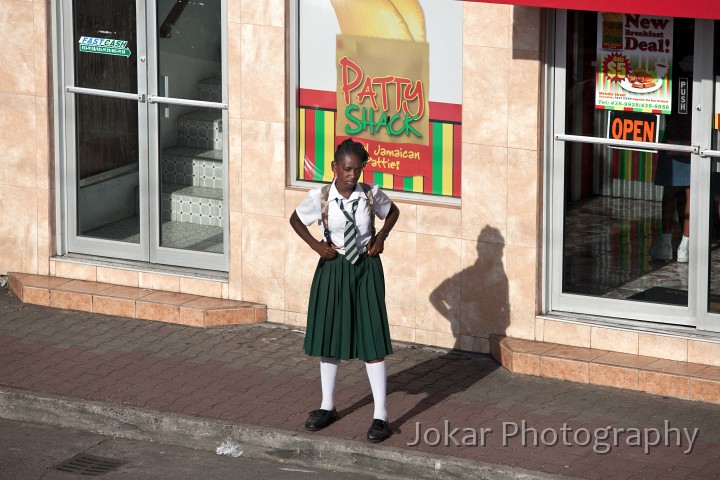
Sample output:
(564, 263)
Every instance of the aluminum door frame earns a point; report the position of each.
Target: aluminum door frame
(158, 253)
(555, 299)
(68, 92)
(702, 137)
(148, 249)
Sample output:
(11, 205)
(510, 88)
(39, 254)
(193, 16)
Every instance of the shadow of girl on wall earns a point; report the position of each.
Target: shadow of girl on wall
(475, 300)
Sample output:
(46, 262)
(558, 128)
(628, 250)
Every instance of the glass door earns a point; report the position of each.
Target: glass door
(622, 191)
(145, 105)
(187, 113)
(105, 105)
(709, 186)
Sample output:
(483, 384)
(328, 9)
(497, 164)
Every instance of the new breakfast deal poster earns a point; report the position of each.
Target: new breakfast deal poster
(634, 57)
(388, 74)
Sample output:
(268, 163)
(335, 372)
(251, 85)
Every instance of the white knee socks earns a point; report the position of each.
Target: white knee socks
(377, 374)
(328, 373)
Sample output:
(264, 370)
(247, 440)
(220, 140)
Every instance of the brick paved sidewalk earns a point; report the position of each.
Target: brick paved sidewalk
(258, 375)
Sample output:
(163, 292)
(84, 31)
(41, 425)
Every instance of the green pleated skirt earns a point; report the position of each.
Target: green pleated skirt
(347, 317)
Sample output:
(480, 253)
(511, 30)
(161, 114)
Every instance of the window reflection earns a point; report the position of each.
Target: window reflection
(614, 205)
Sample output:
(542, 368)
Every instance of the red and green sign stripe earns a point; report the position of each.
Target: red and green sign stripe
(633, 165)
(445, 143)
(317, 138)
(316, 150)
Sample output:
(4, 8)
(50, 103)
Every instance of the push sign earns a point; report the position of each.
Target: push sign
(104, 46)
(683, 95)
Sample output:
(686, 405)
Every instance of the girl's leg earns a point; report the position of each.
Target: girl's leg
(377, 374)
(326, 414)
(328, 374)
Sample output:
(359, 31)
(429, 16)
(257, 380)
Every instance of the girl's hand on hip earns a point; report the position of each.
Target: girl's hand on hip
(377, 247)
(326, 251)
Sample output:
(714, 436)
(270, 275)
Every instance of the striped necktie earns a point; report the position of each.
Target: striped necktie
(350, 239)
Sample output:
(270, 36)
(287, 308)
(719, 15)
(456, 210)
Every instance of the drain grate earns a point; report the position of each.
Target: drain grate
(85, 464)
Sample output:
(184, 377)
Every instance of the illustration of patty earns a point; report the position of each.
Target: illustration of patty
(398, 19)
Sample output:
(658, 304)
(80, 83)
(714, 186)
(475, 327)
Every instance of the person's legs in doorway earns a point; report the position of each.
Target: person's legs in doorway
(683, 253)
(662, 250)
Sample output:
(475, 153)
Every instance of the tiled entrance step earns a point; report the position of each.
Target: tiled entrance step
(612, 369)
(133, 302)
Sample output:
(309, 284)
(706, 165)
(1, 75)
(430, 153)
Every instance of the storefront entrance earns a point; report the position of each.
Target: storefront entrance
(144, 109)
(633, 178)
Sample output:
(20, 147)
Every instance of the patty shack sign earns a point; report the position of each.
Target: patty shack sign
(382, 99)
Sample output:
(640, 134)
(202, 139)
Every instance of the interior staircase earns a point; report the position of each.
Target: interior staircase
(192, 170)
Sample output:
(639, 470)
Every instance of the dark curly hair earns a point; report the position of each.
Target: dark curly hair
(351, 147)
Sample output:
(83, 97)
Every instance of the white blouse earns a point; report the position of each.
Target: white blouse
(309, 212)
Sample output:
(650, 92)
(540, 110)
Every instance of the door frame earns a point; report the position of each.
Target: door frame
(703, 110)
(158, 253)
(149, 100)
(695, 314)
(70, 92)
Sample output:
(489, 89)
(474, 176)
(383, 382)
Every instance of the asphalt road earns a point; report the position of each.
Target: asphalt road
(33, 452)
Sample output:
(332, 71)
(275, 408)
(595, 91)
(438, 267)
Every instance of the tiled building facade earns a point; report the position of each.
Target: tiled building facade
(456, 274)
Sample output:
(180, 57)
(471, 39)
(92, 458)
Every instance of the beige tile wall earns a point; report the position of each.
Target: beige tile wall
(25, 177)
(454, 274)
(627, 341)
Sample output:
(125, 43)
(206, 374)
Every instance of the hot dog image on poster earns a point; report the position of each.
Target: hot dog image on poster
(634, 58)
(387, 73)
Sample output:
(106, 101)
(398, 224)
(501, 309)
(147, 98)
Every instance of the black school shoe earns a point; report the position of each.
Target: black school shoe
(320, 419)
(379, 430)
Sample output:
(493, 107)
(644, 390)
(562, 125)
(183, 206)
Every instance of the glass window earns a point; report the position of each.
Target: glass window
(395, 86)
(106, 53)
(626, 208)
(714, 220)
(192, 162)
(189, 49)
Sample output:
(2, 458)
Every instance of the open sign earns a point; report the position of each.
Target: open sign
(634, 126)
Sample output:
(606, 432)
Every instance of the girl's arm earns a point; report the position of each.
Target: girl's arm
(378, 246)
(323, 249)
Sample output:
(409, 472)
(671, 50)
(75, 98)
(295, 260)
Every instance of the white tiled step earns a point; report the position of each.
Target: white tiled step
(201, 129)
(192, 204)
(210, 89)
(192, 166)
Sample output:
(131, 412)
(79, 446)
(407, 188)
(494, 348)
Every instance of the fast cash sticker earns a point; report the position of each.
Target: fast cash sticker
(104, 46)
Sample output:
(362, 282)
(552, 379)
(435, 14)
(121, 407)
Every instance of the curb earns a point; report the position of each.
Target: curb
(269, 444)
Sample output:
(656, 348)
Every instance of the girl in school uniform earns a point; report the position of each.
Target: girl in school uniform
(347, 317)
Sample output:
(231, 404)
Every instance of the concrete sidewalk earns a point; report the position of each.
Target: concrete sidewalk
(253, 384)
